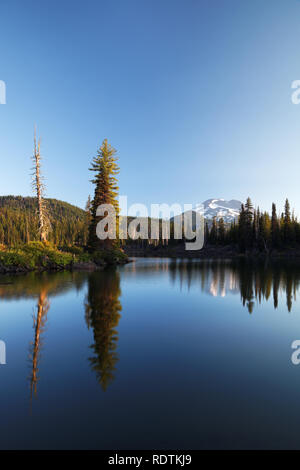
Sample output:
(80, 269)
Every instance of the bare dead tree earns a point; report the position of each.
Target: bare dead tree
(39, 188)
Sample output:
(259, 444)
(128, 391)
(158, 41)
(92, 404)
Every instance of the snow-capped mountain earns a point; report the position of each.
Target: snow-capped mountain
(219, 208)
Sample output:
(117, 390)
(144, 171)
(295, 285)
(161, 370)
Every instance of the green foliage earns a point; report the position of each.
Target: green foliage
(36, 255)
(84, 257)
(19, 222)
(111, 256)
(258, 231)
(221, 231)
(75, 250)
(106, 191)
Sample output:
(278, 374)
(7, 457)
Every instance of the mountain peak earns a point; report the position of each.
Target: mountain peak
(220, 208)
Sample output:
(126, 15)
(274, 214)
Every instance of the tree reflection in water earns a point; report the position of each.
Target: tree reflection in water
(255, 281)
(39, 286)
(39, 323)
(102, 314)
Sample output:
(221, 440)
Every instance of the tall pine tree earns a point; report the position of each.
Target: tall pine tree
(287, 223)
(106, 192)
(275, 228)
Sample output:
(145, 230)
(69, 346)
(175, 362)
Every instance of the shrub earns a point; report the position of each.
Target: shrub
(36, 255)
(112, 256)
(75, 250)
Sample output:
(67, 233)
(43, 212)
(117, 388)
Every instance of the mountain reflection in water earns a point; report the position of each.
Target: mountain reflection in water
(255, 282)
(113, 353)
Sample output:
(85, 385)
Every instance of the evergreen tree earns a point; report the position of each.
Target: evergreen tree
(248, 223)
(19, 222)
(233, 235)
(287, 223)
(214, 231)
(206, 233)
(242, 228)
(221, 231)
(88, 206)
(254, 227)
(275, 228)
(264, 234)
(106, 192)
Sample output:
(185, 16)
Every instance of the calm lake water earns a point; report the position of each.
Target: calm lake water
(157, 354)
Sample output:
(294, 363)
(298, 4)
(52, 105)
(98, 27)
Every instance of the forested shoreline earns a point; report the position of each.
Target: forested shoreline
(256, 230)
(44, 233)
(253, 232)
(19, 222)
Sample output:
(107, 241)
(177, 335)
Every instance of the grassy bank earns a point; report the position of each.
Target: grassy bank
(39, 256)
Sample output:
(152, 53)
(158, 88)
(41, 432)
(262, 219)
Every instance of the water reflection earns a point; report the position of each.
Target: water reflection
(255, 281)
(102, 314)
(39, 286)
(39, 322)
(31, 285)
(183, 319)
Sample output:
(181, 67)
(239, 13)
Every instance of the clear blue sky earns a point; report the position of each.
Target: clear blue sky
(194, 94)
